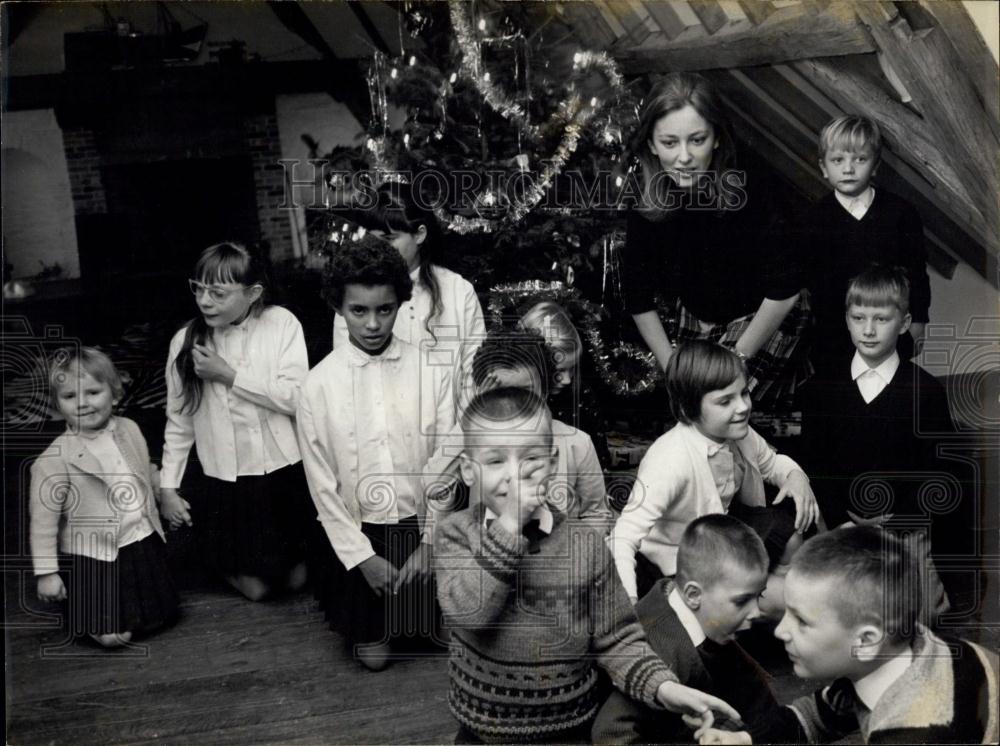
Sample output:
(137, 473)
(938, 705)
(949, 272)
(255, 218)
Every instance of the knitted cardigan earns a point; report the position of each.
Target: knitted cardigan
(529, 622)
(73, 503)
(947, 695)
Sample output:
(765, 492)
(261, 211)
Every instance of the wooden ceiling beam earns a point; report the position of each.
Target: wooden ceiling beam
(630, 16)
(802, 35)
(675, 18)
(752, 134)
(968, 42)
(720, 15)
(588, 24)
(757, 10)
(930, 70)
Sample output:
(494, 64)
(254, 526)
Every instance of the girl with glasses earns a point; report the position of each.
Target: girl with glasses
(233, 379)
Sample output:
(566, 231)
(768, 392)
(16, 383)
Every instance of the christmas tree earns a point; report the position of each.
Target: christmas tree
(519, 143)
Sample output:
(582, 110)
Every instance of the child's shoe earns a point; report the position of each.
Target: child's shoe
(374, 655)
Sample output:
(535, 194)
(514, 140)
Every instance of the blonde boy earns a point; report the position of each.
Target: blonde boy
(532, 599)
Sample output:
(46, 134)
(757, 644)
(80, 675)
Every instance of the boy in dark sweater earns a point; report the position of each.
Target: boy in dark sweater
(533, 599)
(852, 601)
(871, 427)
(855, 226)
(691, 622)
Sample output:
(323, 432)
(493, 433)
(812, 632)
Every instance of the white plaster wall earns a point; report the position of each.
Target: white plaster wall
(38, 223)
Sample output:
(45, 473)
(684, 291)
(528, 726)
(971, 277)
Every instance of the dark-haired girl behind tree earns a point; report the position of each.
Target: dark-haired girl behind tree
(233, 379)
(444, 312)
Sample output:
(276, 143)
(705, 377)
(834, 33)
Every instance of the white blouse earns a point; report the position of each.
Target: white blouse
(367, 424)
(457, 330)
(128, 495)
(246, 429)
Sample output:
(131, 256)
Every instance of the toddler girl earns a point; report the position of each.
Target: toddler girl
(93, 497)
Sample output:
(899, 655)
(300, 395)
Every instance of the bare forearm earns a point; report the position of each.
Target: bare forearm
(654, 335)
(765, 323)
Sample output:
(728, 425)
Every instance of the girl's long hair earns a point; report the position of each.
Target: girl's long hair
(225, 262)
(671, 93)
(395, 207)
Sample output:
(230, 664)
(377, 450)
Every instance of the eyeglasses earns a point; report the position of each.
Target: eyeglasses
(216, 293)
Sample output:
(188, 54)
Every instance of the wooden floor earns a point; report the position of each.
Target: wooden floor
(230, 672)
(235, 672)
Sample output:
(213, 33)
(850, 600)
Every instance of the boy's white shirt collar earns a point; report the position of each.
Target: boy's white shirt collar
(541, 514)
(686, 617)
(857, 206)
(885, 370)
(871, 687)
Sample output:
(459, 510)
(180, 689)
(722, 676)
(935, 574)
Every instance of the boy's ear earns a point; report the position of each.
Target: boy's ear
(907, 320)
(868, 639)
(467, 469)
(254, 292)
(691, 593)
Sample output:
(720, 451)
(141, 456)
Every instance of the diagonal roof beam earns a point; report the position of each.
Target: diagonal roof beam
(831, 33)
(349, 90)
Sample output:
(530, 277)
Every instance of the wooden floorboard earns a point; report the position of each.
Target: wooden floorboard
(229, 672)
(234, 672)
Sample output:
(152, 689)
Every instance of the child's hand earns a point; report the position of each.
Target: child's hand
(806, 509)
(174, 508)
(210, 367)
(715, 736)
(856, 520)
(694, 705)
(416, 569)
(381, 575)
(51, 587)
(527, 495)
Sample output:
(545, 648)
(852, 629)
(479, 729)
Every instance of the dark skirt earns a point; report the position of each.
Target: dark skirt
(353, 609)
(133, 593)
(778, 369)
(257, 525)
(774, 524)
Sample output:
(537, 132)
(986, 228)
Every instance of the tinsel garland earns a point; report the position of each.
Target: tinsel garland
(586, 316)
(471, 65)
(572, 112)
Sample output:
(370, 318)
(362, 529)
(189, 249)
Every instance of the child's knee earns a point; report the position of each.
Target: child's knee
(112, 639)
(253, 588)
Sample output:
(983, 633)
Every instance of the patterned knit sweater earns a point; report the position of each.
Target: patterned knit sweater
(948, 694)
(531, 621)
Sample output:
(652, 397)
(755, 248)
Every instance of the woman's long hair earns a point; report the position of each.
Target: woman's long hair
(221, 263)
(671, 93)
(395, 207)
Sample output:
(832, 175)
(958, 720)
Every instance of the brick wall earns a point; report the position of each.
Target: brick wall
(264, 146)
(84, 165)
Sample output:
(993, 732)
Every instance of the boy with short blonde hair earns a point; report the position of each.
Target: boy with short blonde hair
(854, 226)
(691, 622)
(852, 601)
(871, 429)
(852, 606)
(532, 597)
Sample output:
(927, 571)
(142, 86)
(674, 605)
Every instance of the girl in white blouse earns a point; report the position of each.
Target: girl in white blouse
(233, 378)
(444, 318)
